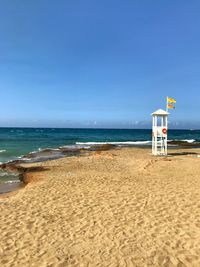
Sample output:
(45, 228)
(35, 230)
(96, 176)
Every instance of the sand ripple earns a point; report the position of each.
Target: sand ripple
(113, 208)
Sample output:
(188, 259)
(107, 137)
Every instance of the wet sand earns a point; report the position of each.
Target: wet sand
(121, 207)
(10, 187)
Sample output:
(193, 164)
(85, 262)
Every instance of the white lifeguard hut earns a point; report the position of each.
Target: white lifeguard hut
(159, 132)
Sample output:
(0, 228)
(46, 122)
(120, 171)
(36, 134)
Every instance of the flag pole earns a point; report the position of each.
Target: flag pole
(167, 104)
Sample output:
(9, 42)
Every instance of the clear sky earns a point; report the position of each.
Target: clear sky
(98, 63)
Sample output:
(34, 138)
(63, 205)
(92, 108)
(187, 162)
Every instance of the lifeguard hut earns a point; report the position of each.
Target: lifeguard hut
(159, 132)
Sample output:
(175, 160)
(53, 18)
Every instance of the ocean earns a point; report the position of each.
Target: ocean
(37, 144)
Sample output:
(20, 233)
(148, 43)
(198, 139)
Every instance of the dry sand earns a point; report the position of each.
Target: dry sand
(114, 208)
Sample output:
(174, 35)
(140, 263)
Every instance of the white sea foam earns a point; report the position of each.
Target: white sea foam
(35, 151)
(5, 173)
(126, 143)
(189, 140)
(52, 149)
(11, 182)
(25, 159)
(3, 150)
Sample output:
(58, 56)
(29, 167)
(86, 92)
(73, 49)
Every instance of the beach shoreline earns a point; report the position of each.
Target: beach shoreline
(116, 207)
(47, 154)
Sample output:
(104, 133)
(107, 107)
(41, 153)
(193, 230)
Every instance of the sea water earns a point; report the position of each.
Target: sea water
(16, 142)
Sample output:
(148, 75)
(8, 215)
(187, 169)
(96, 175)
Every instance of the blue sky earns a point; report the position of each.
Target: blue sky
(74, 63)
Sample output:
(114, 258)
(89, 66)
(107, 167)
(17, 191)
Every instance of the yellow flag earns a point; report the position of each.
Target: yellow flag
(171, 100)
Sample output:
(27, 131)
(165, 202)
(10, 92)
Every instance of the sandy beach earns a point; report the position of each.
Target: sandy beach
(121, 207)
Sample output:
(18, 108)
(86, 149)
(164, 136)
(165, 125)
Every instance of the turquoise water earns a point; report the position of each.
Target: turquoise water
(16, 142)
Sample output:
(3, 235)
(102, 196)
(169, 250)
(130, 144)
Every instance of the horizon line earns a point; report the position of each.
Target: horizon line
(91, 128)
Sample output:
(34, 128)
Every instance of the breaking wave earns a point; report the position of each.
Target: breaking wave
(190, 141)
(126, 143)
